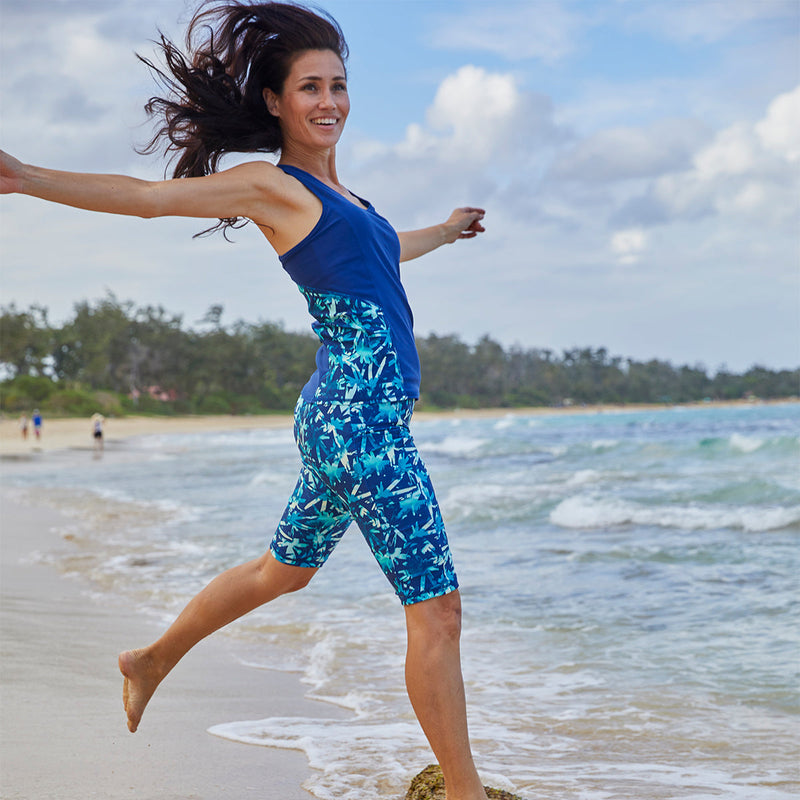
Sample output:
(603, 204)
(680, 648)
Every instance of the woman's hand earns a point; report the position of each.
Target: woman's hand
(10, 174)
(464, 223)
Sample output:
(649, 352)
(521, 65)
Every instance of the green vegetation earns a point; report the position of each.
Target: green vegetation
(115, 358)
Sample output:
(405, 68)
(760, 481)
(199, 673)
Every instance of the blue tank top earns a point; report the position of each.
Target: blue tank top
(348, 269)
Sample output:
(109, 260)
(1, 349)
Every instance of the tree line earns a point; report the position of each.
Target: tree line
(114, 357)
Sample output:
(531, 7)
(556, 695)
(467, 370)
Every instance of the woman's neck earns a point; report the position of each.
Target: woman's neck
(320, 164)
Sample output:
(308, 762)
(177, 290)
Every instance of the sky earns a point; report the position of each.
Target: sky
(638, 160)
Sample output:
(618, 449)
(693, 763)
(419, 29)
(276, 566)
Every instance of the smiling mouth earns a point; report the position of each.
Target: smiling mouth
(322, 121)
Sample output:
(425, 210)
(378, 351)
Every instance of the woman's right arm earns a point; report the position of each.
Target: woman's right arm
(249, 190)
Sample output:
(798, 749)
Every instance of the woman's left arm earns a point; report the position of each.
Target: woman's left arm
(463, 223)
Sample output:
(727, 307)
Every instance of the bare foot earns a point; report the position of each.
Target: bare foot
(141, 680)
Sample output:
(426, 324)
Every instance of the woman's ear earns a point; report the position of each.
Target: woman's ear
(271, 100)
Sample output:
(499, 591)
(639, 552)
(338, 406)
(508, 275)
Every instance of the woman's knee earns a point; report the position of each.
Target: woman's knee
(438, 617)
(284, 578)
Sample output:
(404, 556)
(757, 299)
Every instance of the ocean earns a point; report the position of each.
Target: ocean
(630, 581)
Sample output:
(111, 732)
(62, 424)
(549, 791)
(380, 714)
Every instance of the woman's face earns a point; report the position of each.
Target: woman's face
(314, 104)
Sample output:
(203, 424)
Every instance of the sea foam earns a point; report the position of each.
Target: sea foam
(333, 745)
(587, 511)
(745, 444)
(454, 446)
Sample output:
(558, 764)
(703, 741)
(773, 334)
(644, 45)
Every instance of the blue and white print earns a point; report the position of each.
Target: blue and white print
(360, 464)
(360, 360)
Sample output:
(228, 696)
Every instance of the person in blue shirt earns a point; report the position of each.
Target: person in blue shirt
(271, 77)
(37, 423)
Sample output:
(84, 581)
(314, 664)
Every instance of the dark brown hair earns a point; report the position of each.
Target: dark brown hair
(214, 92)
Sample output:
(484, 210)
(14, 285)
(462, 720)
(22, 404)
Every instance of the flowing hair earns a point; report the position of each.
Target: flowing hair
(213, 101)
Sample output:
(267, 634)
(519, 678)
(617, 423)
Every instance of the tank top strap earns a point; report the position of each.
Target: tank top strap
(314, 185)
(318, 188)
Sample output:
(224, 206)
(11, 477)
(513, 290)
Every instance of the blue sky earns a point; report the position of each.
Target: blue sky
(638, 160)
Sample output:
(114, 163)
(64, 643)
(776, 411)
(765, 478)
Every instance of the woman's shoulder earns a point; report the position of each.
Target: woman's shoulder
(272, 181)
(262, 172)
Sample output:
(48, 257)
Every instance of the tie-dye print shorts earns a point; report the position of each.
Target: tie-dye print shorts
(360, 464)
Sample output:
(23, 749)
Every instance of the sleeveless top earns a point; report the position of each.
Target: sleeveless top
(348, 269)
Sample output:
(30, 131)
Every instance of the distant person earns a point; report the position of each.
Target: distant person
(97, 431)
(37, 424)
(270, 77)
(23, 426)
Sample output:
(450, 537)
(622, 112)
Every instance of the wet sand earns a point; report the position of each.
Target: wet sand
(62, 726)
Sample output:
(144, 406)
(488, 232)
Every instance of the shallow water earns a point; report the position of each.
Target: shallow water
(630, 585)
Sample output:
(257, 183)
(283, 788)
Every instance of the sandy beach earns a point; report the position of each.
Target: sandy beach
(62, 727)
(76, 433)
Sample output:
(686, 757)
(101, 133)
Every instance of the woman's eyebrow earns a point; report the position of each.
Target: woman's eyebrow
(319, 78)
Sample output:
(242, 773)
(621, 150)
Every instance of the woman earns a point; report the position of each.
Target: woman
(270, 77)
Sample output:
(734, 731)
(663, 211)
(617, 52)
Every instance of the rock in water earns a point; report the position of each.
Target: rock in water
(429, 785)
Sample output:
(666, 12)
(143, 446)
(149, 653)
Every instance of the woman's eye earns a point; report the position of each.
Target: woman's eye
(340, 87)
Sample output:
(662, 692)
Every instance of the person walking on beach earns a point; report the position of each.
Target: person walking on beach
(271, 77)
(23, 426)
(36, 419)
(97, 431)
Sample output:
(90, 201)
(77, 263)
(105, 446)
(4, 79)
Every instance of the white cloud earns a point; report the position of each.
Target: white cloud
(779, 131)
(747, 172)
(475, 115)
(473, 109)
(628, 245)
(733, 152)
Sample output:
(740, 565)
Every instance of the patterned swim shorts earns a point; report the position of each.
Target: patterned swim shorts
(360, 464)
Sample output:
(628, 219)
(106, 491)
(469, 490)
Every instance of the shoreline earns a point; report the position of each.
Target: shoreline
(62, 433)
(62, 726)
(61, 718)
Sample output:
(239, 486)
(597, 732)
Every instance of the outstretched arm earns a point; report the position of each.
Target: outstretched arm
(247, 190)
(463, 223)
